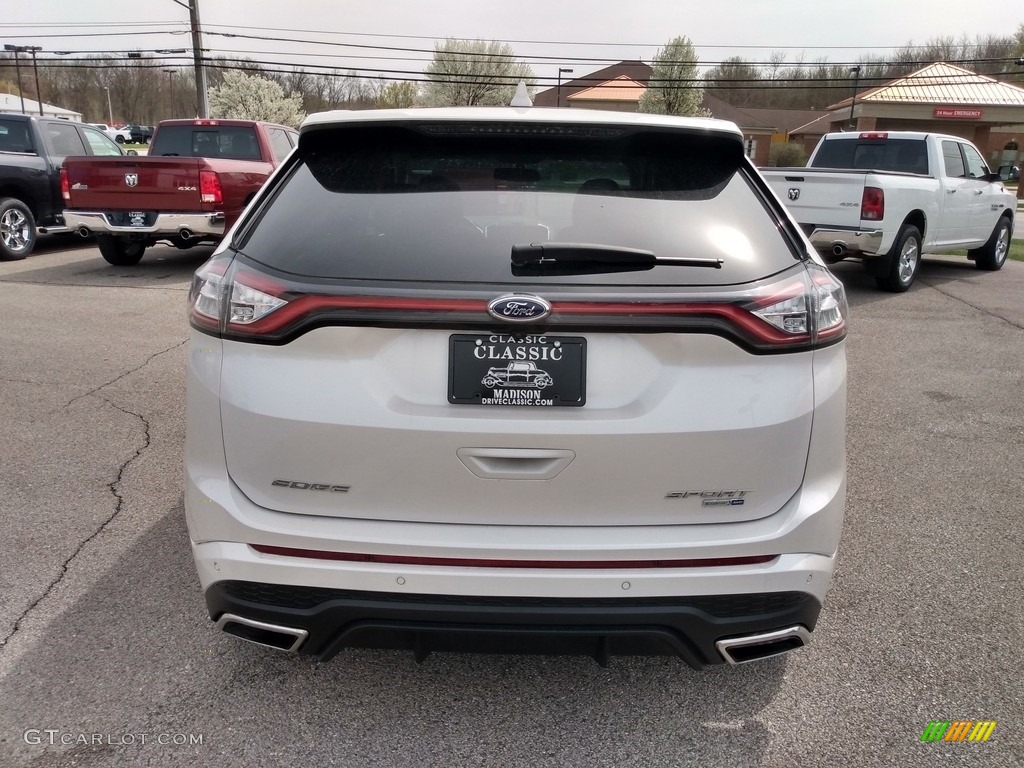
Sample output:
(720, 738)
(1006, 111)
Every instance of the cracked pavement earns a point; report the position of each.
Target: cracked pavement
(106, 637)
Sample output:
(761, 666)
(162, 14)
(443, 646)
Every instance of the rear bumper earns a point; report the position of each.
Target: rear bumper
(166, 224)
(854, 242)
(321, 622)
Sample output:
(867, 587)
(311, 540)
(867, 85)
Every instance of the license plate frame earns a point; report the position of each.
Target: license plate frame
(517, 370)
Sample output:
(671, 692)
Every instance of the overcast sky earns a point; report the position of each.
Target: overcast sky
(570, 34)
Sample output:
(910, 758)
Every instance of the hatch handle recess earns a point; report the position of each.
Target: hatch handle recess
(515, 463)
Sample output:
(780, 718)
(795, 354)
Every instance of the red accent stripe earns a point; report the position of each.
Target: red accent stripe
(360, 557)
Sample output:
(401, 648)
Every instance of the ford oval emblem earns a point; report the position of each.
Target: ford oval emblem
(519, 308)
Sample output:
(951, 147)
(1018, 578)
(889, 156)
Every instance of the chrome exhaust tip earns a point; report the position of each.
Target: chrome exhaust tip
(185, 233)
(742, 650)
(84, 231)
(279, 638)
(838, 250)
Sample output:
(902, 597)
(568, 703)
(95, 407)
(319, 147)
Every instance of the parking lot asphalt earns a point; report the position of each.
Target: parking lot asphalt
(107, 651)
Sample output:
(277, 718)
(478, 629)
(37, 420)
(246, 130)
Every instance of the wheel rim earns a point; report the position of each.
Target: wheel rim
(908, 260)
(14, 229)
(1002, 244)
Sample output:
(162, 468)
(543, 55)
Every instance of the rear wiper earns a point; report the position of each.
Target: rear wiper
(590, 255)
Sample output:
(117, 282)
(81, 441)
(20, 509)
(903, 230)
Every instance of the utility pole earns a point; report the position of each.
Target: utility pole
(197, 53)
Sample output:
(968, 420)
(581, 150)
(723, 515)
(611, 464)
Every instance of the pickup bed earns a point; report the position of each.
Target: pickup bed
(888, 197)
(32, 150)
(197, 178)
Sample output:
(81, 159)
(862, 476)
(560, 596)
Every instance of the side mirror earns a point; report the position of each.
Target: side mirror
(133, 153)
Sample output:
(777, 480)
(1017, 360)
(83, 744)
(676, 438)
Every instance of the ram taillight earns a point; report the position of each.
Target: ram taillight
(210, 190)
(65, 186)
(872, 204)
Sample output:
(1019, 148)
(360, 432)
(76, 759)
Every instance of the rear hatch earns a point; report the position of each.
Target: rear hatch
(134, 183)
(389, 360)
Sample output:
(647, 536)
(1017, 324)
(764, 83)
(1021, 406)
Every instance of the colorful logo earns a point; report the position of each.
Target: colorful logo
(958, 730)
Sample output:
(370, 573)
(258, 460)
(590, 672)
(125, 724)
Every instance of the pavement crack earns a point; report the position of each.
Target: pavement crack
(115, 490)
(139, 367)
(982, 310)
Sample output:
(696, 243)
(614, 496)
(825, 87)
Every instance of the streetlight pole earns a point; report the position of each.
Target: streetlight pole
(558, 88)
(110, 109)
(853, 100)
(35, 69)
(170, 90)
(17, 68)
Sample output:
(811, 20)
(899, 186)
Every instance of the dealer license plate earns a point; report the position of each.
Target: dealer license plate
(519, 370)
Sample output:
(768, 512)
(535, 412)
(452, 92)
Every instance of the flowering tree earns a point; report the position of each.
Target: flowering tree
(248, 97)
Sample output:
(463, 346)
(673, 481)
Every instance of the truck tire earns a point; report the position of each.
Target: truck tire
(904, 261)
(120, 251)
(992, 255)
(17, 229)
(119, 139)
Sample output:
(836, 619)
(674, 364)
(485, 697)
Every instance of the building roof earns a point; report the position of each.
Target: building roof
(621, 88)
(637, 71)
(942, 83)
(725, 111)
(784, 120)
(817, 127)
(11, 102)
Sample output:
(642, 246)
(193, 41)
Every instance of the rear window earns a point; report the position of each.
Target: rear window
(904, 155)
(448, 203)
(14, 136)
(233, 142)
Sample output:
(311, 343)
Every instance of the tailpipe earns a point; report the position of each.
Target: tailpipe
(186, 234)
(84, 231)
(742, 650)
(839, 250)
(280, 638)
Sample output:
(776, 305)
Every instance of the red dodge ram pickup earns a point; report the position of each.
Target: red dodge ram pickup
(194, 183)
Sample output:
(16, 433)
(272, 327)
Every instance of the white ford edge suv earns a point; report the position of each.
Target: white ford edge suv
(516, 380)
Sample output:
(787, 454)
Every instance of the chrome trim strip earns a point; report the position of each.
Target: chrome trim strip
(725, 646)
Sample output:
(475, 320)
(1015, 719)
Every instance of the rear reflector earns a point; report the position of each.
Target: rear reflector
(359, 557)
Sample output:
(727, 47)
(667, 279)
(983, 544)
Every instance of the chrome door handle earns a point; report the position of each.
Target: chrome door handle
(979, 191)
(951, 191)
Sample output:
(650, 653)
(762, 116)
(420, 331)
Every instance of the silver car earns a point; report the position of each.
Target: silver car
(355, 478)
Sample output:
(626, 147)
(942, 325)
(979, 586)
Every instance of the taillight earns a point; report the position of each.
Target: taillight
(815, 315)
(65, 186)
(872, 204)
(209, 188)
(215, 298)
(875, 135)
(798, 312)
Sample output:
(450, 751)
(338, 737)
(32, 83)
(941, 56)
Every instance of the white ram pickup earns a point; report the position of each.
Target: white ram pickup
(888, 197)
